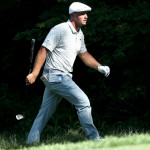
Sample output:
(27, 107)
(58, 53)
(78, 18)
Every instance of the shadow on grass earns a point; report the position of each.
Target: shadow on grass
(65, 137)
(19, 142)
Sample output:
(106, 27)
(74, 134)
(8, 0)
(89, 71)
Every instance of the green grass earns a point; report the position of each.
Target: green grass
(73, 140)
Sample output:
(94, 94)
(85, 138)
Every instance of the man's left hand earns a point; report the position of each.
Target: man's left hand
(104, 69)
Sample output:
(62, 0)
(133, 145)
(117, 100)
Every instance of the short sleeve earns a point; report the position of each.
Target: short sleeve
(52, 39)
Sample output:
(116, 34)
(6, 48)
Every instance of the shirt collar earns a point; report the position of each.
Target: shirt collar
(72, 27)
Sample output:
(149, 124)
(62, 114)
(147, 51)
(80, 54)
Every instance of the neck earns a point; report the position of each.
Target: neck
(77, 27)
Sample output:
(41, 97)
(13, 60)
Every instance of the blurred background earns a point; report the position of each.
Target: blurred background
(117, 34)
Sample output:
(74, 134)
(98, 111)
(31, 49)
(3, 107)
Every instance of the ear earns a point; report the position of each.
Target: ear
(71, 16)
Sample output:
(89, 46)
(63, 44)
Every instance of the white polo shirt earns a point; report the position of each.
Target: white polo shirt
(64, 44)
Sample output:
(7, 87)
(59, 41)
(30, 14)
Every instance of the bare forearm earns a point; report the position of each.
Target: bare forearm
(39, 61)
(89, 60)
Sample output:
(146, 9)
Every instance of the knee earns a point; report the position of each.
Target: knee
(84, 105)
(84, 108)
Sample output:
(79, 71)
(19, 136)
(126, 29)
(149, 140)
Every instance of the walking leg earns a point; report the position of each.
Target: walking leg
(48, 107)
(70, 91)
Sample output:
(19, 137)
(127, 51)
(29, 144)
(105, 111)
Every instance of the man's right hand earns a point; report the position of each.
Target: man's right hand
(30, 79)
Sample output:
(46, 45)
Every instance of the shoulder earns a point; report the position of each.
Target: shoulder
(61, 26)
(58, 29)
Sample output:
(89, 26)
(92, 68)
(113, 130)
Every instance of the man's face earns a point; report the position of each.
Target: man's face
(80, 18)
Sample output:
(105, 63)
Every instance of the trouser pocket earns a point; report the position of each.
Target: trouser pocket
(55, 78)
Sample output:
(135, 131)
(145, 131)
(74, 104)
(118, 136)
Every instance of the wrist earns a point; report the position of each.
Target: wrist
(99, 67)
(35, 74)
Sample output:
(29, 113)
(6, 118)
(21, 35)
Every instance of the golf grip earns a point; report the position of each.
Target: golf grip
(31, 54)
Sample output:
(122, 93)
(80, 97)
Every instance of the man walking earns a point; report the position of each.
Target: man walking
(61, 46)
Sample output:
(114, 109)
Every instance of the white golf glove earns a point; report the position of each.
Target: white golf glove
(104, 69)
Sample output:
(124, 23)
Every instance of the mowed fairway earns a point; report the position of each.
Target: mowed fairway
(125, 142)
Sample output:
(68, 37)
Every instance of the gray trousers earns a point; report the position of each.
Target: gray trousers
(58, 86)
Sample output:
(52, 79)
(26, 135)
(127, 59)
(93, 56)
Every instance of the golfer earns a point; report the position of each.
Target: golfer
(61, 46)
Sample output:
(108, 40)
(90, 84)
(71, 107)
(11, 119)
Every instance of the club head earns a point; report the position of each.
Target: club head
(19, 116)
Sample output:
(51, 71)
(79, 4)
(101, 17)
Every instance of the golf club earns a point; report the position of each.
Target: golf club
(21, 116)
